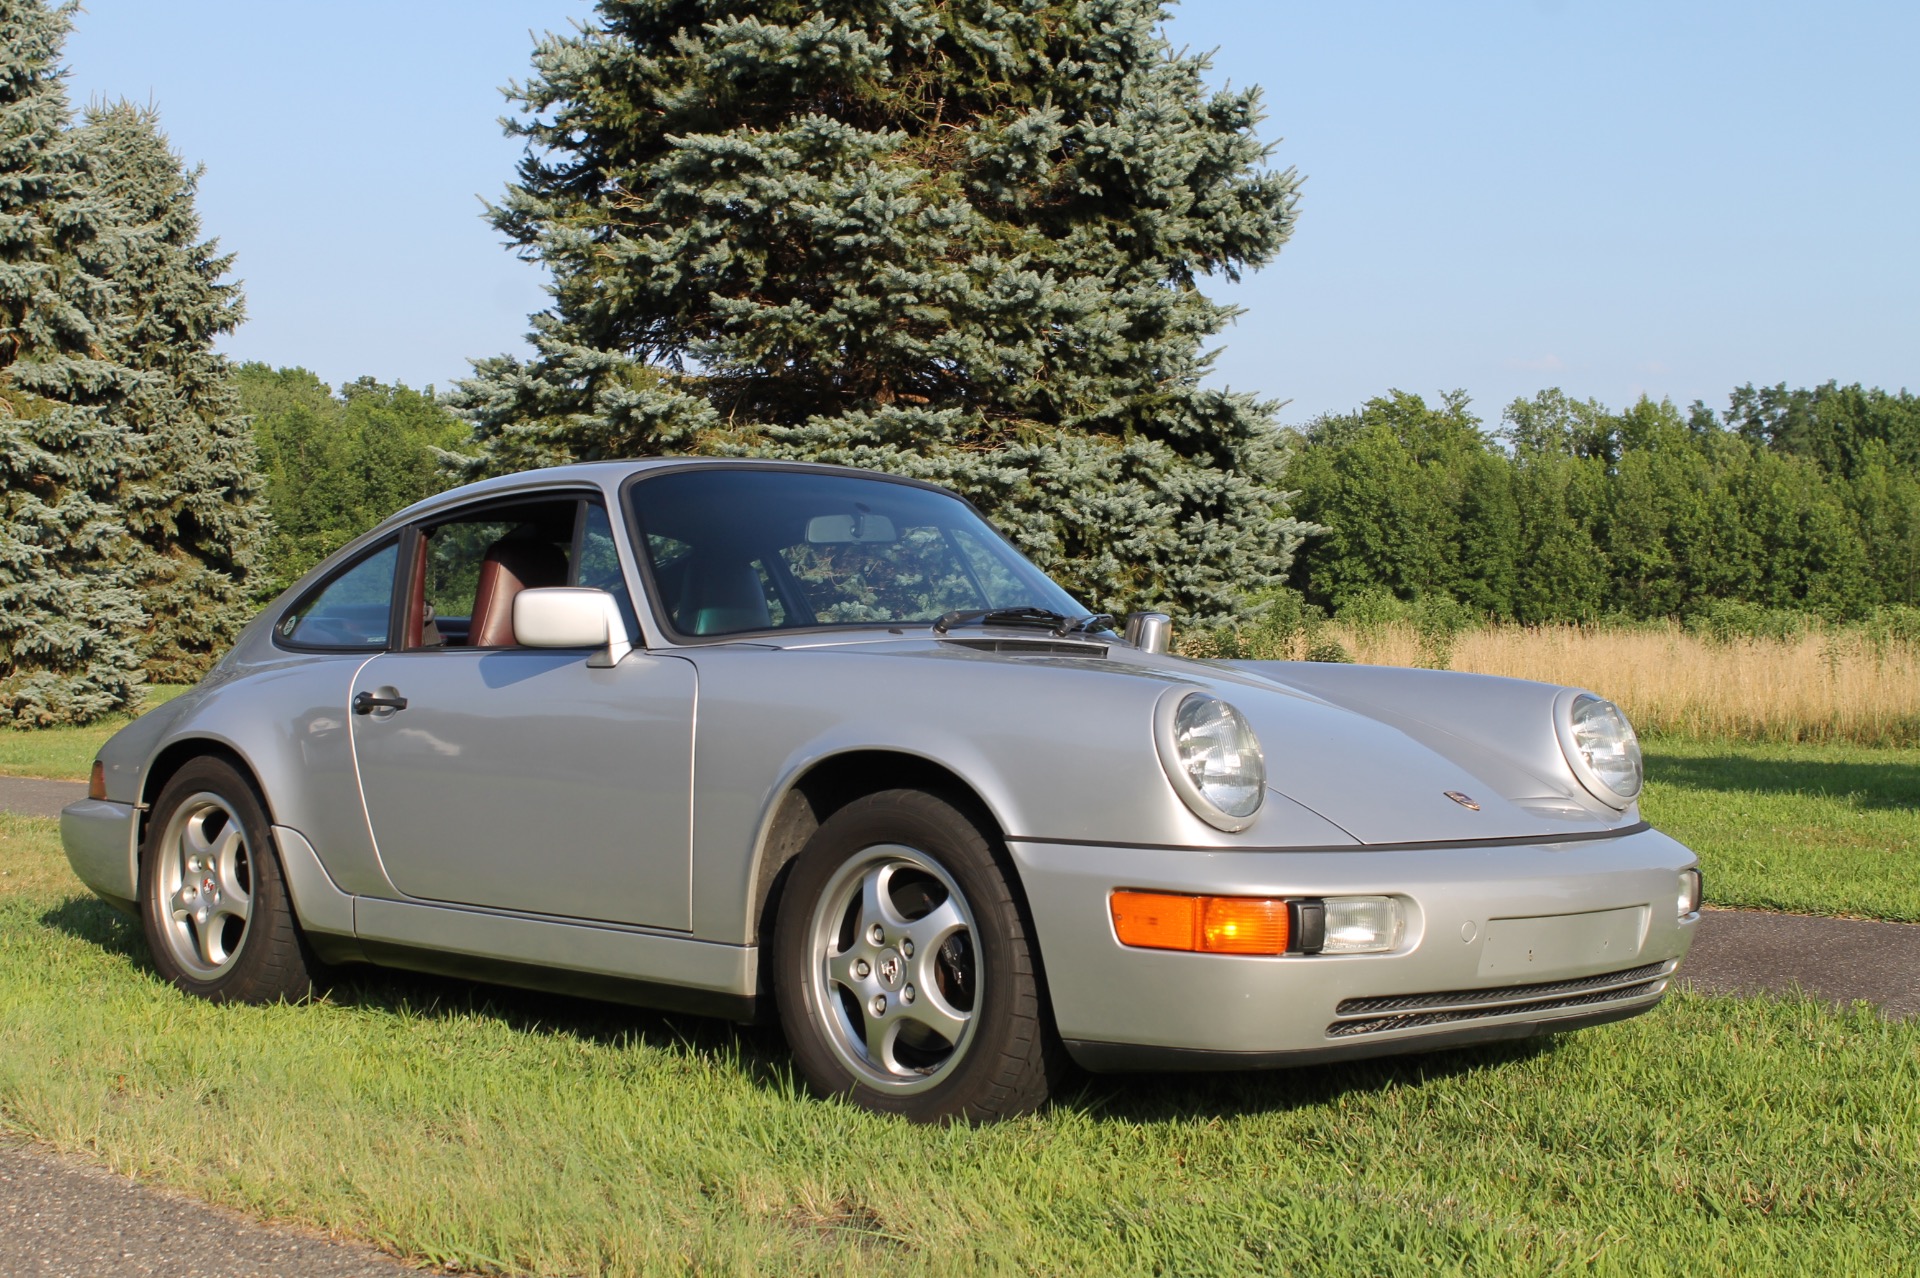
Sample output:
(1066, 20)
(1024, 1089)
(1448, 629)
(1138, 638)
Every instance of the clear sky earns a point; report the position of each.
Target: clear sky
(1614, 198)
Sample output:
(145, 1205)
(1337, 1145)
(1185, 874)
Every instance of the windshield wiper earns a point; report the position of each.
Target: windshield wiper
(1087, 625)
(1061, 624)
(1022, 616)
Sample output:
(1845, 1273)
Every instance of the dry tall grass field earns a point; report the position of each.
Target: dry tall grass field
(1833, 685)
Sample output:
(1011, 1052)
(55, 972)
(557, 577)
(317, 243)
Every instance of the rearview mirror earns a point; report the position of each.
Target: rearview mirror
(840, 530)
(571, 617)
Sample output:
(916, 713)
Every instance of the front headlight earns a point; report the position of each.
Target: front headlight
(1601, 746)
(1212, 757)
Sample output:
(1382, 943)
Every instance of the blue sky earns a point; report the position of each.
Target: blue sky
(1612, 198)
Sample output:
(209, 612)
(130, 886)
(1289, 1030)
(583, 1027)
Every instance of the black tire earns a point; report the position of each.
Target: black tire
(213, 900)
(961, 1023)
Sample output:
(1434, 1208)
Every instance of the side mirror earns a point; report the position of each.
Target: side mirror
(571, 617)
(1149, 631)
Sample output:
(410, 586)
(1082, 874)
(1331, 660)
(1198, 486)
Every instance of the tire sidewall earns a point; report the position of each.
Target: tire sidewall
(271, 930)
(1007, 994)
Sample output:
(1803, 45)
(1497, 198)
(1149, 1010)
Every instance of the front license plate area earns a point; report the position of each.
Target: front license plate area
(1563, 944)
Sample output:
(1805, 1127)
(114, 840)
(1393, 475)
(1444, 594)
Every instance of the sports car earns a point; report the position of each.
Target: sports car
(759, 740)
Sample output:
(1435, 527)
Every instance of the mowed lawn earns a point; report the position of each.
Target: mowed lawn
(66, 754)
(1818, 829)
(466, 1125)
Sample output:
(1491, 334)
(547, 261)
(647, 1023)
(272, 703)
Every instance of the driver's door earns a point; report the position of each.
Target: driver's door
(516, 778)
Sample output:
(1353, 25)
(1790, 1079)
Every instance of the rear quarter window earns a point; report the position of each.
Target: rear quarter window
(351, 609)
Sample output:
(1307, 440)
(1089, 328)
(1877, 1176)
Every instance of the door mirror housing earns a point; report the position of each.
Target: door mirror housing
(571, 617)
(1149, 631)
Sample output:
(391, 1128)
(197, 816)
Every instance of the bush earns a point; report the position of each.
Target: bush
(1893, 626)
(1331, 650)
(1732, 620)
(1435, 619)
(1285, 627)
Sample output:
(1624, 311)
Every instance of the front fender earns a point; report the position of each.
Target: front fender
(1055, 751)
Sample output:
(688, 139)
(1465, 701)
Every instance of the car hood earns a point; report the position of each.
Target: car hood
(1381, 785)
(1371, 778)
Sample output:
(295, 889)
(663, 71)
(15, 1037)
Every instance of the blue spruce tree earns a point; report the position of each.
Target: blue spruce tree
(69, 612)
(193, 496)
(956, 239)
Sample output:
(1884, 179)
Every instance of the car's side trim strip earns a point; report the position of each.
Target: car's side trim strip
(469, 937)
(1434, 845)
(662, 996)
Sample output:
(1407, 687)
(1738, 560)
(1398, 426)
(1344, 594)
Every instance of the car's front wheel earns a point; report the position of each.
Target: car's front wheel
(213, 901)
(905, 975)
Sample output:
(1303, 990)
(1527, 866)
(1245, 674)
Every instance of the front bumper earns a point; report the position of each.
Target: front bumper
(1499, 942)
(101, 839)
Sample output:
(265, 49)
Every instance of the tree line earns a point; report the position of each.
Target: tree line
(1569, 512)
(335, 464)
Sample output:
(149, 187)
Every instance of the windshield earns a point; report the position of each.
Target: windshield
(733, 550)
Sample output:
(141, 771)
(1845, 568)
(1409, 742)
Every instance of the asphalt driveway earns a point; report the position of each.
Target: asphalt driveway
(30, 796)
(60, 1218)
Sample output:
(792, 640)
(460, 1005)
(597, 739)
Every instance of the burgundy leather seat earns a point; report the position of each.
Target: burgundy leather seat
(511, 565)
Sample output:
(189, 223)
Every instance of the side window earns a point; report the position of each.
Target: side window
(475, 564)
(454, 552)
(599, 565)
(350, 611)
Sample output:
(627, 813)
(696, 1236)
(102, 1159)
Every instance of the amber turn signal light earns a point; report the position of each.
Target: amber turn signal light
(1202, 924)
(97, 781)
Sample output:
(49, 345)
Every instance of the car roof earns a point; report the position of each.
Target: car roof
(609, 475)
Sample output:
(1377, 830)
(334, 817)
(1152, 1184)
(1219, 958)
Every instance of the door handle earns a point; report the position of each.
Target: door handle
(367, 703)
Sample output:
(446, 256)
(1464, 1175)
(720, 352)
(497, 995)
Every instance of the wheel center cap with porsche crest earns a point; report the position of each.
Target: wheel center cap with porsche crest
(1464, 800)
(890, 968)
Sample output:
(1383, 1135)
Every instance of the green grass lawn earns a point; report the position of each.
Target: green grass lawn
(1819, 829)
(67, 753)
(460, 1124)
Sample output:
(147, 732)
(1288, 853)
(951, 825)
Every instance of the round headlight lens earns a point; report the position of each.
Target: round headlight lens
(1606, 745)
(1218, 753)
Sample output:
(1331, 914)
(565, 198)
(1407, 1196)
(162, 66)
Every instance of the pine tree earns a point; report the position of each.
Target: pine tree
(69, 613)
(957, 239)
(194, 495)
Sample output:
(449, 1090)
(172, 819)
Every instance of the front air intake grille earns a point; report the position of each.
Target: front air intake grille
(1032, 647)
(1418, 1011)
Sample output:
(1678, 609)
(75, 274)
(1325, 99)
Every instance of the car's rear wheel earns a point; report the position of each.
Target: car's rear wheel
(904, 971)
(212, 898)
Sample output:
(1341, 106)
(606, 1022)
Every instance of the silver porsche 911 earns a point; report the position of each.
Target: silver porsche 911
(732, 737)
